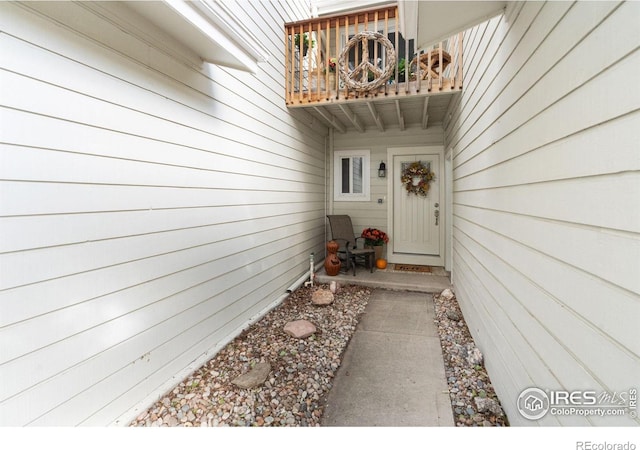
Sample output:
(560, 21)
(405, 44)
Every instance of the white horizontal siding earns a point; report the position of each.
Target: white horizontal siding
(149, 207)
(546, 219)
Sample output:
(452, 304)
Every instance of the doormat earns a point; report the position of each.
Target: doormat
(412, 268)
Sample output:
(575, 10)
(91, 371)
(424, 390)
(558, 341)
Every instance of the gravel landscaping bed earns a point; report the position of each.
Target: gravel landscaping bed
(473, 399)
(302, 370)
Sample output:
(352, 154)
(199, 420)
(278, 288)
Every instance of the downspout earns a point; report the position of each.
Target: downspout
(303, 279)
(328, 179)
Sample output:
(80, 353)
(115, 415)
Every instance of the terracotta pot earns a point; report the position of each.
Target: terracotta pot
(332, 82)
(332, 262)
(378, 251)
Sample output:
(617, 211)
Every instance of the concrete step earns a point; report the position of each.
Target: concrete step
(431, 283)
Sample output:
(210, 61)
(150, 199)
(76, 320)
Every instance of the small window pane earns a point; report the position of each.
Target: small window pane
(345, 175)
(351, 175)
(357, 174)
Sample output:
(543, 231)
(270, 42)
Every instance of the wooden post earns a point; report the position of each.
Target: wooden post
(309, 67)
(346, 39)
(357, 53)
(287, 98)
(429, 70)
(418, 77)
(386, 34)
(375, 46)
(406, 69)
(318, 64)
(459, 82)
(337, 53)
(397, 45)
(327, 57)
(301, 63)
(440, 77)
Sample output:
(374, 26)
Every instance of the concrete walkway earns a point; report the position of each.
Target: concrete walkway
(392, 373)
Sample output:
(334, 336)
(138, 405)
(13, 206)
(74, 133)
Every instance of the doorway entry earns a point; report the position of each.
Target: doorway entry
(416, 222)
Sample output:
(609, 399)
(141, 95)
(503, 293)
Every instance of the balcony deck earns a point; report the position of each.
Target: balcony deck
(313, 78)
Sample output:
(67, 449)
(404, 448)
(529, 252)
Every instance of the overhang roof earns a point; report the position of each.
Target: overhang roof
(206, 27)
(427, 22)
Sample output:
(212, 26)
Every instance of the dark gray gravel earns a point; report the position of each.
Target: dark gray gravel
(473, 399)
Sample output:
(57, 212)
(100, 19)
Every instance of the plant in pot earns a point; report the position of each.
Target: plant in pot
(402, 69)
(375, 239)
(331, 67)
(306, 42)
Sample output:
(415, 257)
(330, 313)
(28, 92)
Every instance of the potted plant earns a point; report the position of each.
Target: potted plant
(331, 68)
(402, 69)
(306, 42)
(375, 239)
(332, 65)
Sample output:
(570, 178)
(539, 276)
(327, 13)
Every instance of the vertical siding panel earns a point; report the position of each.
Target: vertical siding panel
(151, 206)
(546, 223)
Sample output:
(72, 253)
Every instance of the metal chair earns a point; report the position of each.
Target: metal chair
(342, 233)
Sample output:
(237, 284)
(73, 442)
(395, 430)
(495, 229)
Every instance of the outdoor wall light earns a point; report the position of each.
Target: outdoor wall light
(382, 170)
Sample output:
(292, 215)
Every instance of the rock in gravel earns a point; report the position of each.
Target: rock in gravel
(255, 377)
(322, 297)
(447, 294)
(485, 405)
(453, 315)
(171, 421)
(300, 329)
(474, 356)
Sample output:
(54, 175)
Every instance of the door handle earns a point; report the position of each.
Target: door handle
(437, 214)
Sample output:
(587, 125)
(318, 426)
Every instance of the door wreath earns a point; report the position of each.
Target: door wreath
(416, 178)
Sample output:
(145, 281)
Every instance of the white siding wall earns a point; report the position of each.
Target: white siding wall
(546, 237)
(149, 208)
(372, 213)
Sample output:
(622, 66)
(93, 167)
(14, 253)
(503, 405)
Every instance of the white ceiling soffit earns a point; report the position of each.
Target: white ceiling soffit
(330, 7)
(208, 28)
(429, 22)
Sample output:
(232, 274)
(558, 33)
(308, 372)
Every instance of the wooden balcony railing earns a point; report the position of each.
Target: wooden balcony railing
(312, 50)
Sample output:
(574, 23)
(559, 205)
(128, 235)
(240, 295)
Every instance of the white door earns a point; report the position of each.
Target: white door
(416, 220)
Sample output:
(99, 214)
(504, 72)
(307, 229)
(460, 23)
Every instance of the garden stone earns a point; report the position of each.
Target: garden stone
(322, 297)
(254, 377)
(488, 405)
(300, 329)
(474, 356)
(447, 294)
(453, 315)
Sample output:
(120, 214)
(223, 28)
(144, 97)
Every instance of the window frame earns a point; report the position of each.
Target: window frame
(338, 195)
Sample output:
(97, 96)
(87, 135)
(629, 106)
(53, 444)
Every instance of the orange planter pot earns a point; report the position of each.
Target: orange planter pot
(381, 263)
(332, 262)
